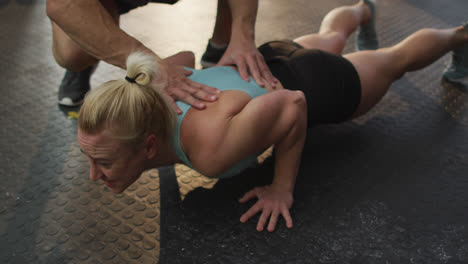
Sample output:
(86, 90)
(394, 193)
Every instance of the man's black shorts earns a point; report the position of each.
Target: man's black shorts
(330, 82)
(126, 5)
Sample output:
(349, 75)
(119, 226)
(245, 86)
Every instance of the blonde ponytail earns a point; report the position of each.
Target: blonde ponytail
(143, 69)
(133, 108)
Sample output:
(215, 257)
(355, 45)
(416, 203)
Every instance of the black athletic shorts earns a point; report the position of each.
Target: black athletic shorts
(330, 82)
(126, 5)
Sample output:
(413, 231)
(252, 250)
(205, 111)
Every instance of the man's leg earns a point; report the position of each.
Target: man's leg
(336, 27)
(78, 64)
(67, 53)
(379, 69)
(221, 35)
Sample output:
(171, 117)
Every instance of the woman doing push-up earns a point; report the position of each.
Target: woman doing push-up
(126, 126)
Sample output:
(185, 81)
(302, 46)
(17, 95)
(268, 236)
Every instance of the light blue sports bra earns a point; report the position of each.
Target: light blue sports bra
(223, 78)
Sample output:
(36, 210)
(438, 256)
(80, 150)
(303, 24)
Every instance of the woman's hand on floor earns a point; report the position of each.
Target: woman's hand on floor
(272, 203)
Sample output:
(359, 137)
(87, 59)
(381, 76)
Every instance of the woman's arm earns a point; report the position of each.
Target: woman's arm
(289, 132)
(277, 118)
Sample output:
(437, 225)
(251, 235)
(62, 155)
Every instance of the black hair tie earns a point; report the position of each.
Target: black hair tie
(130, 80)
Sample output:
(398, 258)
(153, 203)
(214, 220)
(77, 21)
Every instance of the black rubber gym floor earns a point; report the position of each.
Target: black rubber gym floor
(390, 187)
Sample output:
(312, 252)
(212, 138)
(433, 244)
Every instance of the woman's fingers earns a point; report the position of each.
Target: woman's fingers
(247, 196)
(271, 205)
(273, 220)
(263, 219)
(251, 212)
(287, 216)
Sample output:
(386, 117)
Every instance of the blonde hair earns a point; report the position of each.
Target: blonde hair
(130, 110)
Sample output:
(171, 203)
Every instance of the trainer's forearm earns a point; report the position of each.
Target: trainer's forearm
(244, 15)
(90, 25)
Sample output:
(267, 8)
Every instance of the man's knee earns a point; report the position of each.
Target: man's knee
(54, 8)
(73, 59)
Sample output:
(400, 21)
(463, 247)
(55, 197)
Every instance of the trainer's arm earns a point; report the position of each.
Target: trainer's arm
(91, 26)
(277, 118)
(242, 50)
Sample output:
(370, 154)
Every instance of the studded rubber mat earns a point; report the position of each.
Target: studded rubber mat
(390, 187)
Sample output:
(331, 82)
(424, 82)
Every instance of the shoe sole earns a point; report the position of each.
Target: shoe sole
(207, 64)
(68, 102)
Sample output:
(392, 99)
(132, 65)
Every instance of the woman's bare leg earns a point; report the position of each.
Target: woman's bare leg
(379, 69)
(336, 27)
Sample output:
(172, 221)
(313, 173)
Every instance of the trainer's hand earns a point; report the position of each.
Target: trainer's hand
(248, 60)
(181, 88)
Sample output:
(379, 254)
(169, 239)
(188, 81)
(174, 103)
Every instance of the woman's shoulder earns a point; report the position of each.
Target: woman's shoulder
(202, 131)
(215, 74)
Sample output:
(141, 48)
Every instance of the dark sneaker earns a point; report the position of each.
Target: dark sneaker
(211, 56)
(74, 87)
(457, 70)
(367, 36)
